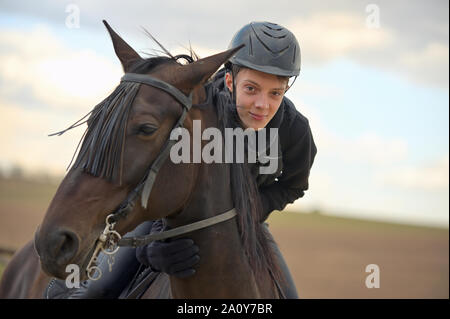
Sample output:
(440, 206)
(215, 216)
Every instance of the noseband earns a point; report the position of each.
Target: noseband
(109, 241)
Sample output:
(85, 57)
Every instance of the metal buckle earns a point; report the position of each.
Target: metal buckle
(106, 243)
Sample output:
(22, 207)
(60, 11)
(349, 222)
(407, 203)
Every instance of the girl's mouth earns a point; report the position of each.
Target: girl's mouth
(257, 116)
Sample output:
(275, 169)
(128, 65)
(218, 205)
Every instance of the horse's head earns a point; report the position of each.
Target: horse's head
(125, 134)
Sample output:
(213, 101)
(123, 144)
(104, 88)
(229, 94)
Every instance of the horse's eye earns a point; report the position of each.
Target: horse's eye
(147, 129)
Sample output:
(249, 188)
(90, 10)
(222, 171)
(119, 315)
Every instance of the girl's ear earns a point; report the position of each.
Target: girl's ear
(229, 81)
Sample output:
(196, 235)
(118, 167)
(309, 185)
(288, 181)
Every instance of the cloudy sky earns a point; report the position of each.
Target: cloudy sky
(374, 85)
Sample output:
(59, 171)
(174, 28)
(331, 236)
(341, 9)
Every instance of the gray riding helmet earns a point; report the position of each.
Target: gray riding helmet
(269, 48)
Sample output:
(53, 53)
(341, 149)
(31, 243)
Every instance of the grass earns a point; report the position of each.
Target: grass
(318, 220)
(2, 268)
(26, 192)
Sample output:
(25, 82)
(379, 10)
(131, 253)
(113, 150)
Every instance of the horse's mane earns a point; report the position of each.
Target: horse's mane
(101, 155)
(256, 240)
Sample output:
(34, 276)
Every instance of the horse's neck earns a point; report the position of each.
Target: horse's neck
(223, 270)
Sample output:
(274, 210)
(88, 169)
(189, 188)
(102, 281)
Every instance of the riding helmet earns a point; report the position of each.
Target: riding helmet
(269, 48)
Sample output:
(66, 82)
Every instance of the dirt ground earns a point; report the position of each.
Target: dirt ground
(327, 255)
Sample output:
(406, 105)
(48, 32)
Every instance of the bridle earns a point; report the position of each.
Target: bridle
(110, 240)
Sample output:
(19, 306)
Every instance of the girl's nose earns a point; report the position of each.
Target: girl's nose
(262, 102)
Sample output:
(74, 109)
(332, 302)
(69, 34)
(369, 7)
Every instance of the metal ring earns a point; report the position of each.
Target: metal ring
(112, 252)
(108, 217)
(96, 269)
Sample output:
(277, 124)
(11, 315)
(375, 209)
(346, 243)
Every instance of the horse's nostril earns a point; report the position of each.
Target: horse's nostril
(64, 246)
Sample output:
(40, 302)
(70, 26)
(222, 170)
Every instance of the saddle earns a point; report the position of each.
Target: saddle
(145, 278)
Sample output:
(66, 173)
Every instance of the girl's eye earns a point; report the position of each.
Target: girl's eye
(146, 129)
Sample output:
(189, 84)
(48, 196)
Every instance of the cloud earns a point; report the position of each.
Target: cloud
(373, 148)
(326, 36)
(410, 32)
(38, 64)
(366, 148)
(329, 35)
(46, 86)
(427, 65)
(24, 139)
(432, 176)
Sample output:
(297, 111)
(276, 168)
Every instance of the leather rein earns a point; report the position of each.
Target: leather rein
(110, 240)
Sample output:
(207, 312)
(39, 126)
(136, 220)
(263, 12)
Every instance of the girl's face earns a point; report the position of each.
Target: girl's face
(258, 96)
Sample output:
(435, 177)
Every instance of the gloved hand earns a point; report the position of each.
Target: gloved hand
(174, 257)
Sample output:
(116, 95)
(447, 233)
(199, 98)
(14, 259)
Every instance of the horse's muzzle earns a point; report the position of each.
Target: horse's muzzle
(56, 250)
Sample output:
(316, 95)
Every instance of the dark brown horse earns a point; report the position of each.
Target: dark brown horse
(236, 256)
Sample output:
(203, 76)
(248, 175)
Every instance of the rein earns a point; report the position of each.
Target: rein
(110, 241)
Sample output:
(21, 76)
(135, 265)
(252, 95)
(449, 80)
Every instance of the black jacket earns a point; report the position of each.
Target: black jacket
(296, 150)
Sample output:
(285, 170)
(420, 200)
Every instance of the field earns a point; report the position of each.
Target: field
(327, 255)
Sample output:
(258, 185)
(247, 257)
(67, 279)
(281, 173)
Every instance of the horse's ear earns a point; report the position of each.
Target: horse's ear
(201, 70)
(124, 52)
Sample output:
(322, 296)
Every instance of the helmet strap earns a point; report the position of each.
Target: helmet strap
(291, 84)
(233, 94)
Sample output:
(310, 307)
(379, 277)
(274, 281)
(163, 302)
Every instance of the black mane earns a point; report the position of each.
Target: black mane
(146, 65)
(256, 240)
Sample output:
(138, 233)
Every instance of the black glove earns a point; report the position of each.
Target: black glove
(174, 257)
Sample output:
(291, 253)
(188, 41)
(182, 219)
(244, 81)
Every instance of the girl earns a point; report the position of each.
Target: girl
(251, 87)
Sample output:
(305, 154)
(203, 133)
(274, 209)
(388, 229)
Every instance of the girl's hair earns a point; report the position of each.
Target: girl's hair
(235, 69)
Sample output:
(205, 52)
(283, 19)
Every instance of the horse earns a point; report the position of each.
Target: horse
(125, 136)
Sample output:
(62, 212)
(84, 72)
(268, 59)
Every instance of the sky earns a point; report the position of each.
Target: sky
(373, 84)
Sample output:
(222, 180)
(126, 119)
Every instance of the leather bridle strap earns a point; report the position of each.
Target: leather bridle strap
(170, 89)
(144, 240)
